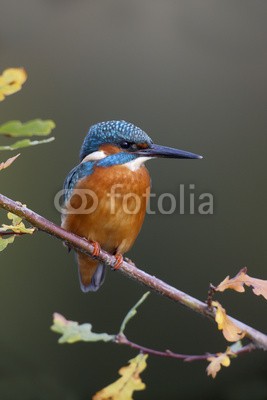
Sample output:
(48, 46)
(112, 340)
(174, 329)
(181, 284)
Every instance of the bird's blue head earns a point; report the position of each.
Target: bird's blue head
(121, 134)
(126, 141)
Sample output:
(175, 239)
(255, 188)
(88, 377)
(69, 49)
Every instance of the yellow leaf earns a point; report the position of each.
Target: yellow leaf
(11, 81)
(20, 228)
(230, 331)
(259, 286)
(8, 162)
(17, 225)
(123, 388)
(216, 362)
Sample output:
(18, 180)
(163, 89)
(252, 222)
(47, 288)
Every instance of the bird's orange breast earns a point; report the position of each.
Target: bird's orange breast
(117, 204)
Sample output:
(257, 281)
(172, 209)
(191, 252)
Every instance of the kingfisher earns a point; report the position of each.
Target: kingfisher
(106, 194)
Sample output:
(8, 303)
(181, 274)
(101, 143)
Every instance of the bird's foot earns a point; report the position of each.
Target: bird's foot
(96, 250)
(119, 261)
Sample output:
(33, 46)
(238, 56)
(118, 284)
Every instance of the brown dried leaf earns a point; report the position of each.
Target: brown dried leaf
(259, 286)
(8, 162)
(230, 331)
(235, 283)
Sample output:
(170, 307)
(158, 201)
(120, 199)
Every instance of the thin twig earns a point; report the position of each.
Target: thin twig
(11, 233)
(122, 339)
(131, 271)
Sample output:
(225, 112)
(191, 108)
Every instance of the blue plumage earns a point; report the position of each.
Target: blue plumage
(77, 173)
(116, 159)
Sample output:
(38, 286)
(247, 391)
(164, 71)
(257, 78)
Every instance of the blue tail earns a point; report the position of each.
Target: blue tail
(97, 279)
(91, 273)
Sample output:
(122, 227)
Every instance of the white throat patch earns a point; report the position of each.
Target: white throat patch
(135, 164)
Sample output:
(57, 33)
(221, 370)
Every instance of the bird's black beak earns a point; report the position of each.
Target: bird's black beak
(168, 152)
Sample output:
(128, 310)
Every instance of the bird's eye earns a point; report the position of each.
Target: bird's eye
(129, 146)
(125, 145)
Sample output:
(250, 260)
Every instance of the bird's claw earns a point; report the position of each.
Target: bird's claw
(96, 250)
(65, 244)
(119, 261)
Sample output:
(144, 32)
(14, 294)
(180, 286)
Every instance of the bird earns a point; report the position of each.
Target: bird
(106, 194)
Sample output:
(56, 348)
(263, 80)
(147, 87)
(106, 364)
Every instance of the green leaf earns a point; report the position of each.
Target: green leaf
(16, 220)
(236, 346)
(5, 242)
(72, 332)
(36, 127)
(132, 312)
(25, 143)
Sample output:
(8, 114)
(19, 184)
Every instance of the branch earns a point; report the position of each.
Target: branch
(131, 271)
(122, 339)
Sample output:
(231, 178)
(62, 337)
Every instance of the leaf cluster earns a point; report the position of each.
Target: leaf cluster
(11, 81)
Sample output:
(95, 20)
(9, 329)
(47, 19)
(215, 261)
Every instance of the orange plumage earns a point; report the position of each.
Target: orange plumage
(116, 221)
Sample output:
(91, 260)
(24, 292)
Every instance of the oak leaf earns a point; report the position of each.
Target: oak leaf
(11, 81)
(216, 362)
(6, 241)
(17, 225)
(259, 286)
(72, 332)
(35, 127)
(130, 381)
(25, 143)
(230, 331)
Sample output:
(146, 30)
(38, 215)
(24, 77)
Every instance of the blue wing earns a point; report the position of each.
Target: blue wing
(77, 173)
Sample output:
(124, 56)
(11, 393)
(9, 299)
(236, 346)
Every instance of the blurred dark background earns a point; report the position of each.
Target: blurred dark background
(192, 74)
